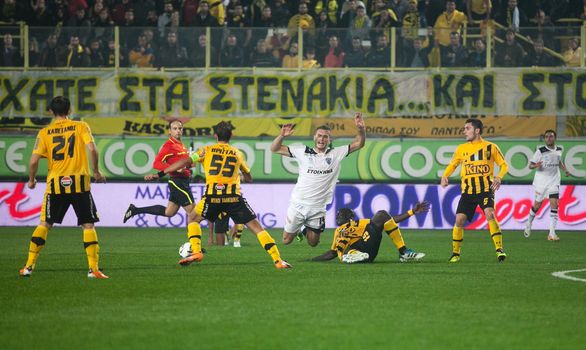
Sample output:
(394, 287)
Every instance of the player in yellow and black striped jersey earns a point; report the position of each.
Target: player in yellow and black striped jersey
(223, 165)
(358, 240)
(477, 158)
(63, 143)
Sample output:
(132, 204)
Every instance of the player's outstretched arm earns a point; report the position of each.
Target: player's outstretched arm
(360, 138)
(329, 255)
(180, 164)
(420, 207)
(277, 145)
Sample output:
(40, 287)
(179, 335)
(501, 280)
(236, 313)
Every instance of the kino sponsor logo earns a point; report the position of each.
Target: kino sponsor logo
(477, 169)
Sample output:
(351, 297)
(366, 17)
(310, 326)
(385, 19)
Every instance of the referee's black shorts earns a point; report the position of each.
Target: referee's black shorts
(179, 191)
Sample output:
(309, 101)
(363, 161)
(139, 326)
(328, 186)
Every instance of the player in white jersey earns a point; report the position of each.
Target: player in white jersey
(548, 161)
(319, 168)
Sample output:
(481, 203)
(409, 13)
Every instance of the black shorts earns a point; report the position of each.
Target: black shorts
(180, 192)
(221, 225)
(370, 242)
(468, 203)
(235, 206)
(55, 207)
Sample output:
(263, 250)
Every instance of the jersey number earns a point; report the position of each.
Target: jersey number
(59, 142)
(365, 236)
(227, 168)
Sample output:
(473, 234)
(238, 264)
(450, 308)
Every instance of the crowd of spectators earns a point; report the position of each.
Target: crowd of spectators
(265, 33)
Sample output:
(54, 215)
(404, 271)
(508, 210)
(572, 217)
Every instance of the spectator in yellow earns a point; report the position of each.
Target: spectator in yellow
(309, 61)
(301, 20)
(449, 21)
(290, 60)
(331, 7)
(142, 55)
(217, 10)
(478, 10)
(572, 54)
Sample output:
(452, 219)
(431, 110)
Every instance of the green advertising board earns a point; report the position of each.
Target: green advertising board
(381, 160)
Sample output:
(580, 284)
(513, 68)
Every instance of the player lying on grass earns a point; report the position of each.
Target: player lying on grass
(358, 240)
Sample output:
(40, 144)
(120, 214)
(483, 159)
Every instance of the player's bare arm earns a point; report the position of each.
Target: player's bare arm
(535, 165)
(94, 162)
(277, 145)
(360, 138)
(563, 167)
(444, 181)
(496, 183)
(33, 167)
(246, 177)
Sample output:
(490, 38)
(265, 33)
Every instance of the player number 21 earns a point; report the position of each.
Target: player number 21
(60, 143)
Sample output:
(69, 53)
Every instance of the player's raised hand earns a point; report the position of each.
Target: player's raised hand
(444, 181)
(358, 120)
(287, 129)
(496, 183)
(99, 178)
(421, 207)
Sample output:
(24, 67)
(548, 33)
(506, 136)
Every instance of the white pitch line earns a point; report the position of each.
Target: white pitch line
(564, 275)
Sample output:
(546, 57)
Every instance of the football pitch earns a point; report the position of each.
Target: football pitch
(236, 299)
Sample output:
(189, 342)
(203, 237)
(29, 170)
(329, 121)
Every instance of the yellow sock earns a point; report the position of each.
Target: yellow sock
(92, 248)
(393, 231)
(457, 238)
(495, 234)
(36, 245)
(194, 236)
(239, 229)
(268, 243)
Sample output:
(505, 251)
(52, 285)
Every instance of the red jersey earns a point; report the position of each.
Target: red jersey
(172, 151)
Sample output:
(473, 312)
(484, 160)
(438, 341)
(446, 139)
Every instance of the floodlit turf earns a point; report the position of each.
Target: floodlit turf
(236, 299)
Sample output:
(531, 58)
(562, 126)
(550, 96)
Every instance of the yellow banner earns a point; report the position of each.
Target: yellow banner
(194, 127)
(440, 126)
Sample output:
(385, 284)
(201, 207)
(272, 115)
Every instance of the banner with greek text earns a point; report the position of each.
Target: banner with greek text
(20, 206)
(383, 160)
(314, 93)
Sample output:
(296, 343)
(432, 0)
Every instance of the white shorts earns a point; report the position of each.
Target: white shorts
(299, 215)
(544, 192)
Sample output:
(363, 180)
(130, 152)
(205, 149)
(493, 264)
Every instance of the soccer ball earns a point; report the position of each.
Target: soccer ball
(185, 250)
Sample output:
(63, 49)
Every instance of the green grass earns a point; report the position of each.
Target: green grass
(236, 299)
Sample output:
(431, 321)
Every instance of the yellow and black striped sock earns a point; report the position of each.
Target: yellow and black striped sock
(495, 234)
(36, 245)
(394, 233)
(194, 236)
(92, 248)
(457, 238)
(238, 234)
(268, 243)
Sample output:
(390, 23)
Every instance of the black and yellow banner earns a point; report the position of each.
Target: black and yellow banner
(309, 94)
